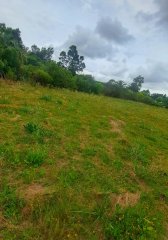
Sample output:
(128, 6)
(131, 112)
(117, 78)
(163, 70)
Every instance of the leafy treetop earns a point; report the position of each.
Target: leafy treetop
(71, 60)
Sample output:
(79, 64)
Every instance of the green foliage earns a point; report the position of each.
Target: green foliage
(10, 37)
(86, 83)
(120, 89)
(61, 77)
(12, 60)
(10, 74)
(115, 88)
(42, 77)
(145, 98)
(160, 99)
(71, 60)
(11, 52)
(27, 72)
(2, 69)
(136, 85)
(43, 54)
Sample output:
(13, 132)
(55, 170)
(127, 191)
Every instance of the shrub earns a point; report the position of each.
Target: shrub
(87, 83)
(60, 76)
(42, 77)
(10, 74)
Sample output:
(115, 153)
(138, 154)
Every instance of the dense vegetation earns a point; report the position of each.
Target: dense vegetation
(81, 166)
(17, 62)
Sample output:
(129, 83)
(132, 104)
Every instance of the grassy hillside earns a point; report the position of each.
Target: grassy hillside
(78, 166)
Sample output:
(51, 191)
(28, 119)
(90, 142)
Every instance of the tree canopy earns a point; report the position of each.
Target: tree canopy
(71, 60)
(136, 85)
(43, 54)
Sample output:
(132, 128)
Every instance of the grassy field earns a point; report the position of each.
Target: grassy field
(78, 166)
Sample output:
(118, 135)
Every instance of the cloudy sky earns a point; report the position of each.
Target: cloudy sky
(120, 39)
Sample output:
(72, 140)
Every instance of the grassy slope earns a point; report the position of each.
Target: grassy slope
(78, 166)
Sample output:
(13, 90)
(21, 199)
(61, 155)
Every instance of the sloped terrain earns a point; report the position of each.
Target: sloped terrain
(79, 166)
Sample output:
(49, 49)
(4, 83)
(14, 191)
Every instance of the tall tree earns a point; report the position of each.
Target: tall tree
(71, 60)
(136, 85)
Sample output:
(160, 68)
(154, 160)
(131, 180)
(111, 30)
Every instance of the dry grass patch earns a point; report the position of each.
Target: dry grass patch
(33, 191)
(125, 199)
(117, 125)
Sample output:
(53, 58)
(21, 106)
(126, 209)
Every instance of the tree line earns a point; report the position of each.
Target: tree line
(17, 62)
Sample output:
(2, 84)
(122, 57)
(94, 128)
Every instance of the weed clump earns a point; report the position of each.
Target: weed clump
(31, 127)
(35, 158)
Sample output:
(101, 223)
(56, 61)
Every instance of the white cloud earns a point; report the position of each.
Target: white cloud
(90, 44)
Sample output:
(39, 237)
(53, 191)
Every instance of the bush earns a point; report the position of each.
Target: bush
(2, 67)
(42, 77)
(87, 83)
(11, 75)
(60, 76)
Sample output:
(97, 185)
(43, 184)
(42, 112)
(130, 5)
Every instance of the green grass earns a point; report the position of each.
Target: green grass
(73, 164)
(133, 223)
(46, 98)
(11, 204)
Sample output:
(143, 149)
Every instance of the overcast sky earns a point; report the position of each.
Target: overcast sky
(120, 39)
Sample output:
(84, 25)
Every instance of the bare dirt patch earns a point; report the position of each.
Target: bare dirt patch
(116, 125)
(33, 191)
(125, 199)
